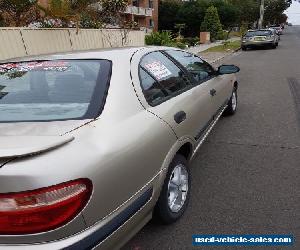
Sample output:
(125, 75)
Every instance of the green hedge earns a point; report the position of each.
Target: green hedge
(158, 38)
(163, 38)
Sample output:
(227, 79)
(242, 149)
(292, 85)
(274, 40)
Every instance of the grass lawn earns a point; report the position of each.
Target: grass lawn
(228, 47)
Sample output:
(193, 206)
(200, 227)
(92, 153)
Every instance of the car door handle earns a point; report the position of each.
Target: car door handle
(180, 117)
(213, 92)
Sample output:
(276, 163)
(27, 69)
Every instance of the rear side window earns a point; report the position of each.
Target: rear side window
(199, 69)
(53, 90)
(259, 33)
(161, 78)
(154, 93)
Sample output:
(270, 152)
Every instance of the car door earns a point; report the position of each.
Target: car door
(221, 89)
(206, 77)
(173, 96)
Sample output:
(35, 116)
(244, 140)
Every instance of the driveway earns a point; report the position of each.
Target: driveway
(246, 177)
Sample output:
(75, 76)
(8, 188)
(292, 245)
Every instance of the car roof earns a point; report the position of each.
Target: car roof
(107, 53)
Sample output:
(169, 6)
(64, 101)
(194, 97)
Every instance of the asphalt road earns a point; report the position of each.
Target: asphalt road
(246, 177)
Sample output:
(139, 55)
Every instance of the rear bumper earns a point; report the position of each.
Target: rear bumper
(114, 230)
(99, 234)
(258, 43)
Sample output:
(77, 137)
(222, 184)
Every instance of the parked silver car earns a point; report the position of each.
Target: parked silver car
(279, 28)
(276, 33)
(91, 143)
(260, 38)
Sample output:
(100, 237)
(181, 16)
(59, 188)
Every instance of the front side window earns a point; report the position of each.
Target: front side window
(168, 77)
(52, 90)
(199, 69)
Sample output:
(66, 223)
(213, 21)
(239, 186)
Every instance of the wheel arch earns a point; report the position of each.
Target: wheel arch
(236, 85)
(186, 150)
(183, 146)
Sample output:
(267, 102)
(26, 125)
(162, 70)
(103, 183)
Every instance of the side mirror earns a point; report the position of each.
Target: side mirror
(228, 69)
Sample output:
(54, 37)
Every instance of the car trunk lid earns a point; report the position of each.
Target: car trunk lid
(28, 138)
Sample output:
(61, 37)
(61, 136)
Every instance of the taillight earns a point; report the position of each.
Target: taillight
(43, 209)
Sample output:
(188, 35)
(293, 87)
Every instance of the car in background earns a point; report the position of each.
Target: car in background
(94, 143)
(276, 32)
(278, 28)
(290, 24)
(260, 38)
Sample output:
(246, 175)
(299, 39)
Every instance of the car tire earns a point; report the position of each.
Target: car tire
(175, 193)
(244, 48)
(232, 104)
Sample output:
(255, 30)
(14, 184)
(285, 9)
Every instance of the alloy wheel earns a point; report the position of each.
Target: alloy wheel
(178, 188)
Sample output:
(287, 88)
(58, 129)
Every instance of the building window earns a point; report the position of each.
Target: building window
(151, 4)
(135, 3)
(136, 20)
(151, 23)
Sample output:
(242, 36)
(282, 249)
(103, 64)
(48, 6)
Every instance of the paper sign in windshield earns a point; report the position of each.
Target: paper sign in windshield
(158, 70)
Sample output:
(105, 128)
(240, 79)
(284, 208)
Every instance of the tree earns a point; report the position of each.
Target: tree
(18, 12)
(212, 24)
(179, 27)
(111, 12)
(274, 11)
(248, 11)
(282, 18)
(2, 23)
(168, 11)
(86, 13)
(67, 10)
(228, 13)
(231, 13)
(192, 14)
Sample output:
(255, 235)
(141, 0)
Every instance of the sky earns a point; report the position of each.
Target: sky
(294, 13)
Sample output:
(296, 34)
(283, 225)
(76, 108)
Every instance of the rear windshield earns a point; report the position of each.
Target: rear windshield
(259, 33)
(53, 90)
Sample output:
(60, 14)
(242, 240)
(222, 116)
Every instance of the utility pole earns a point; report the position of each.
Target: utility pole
(262, 11)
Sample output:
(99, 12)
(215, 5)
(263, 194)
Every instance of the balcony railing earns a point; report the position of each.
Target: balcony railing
(140, 11)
